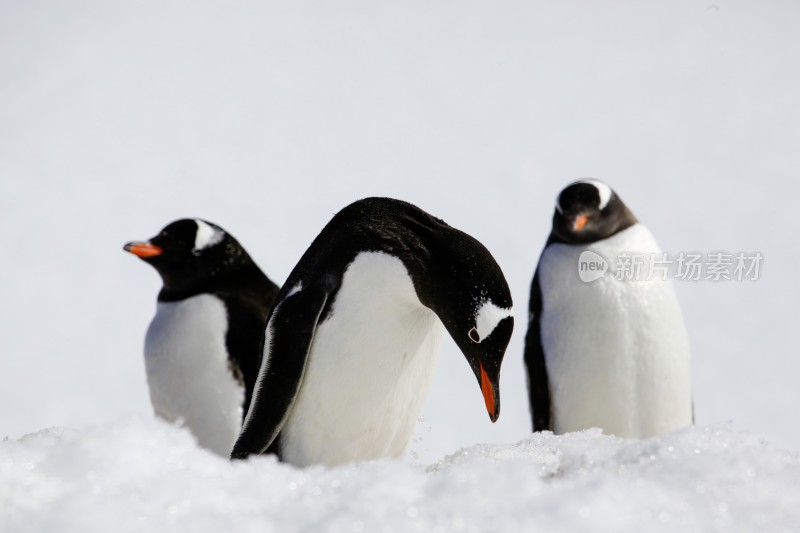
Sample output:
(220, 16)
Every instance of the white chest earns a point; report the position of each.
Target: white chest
(616, 351)
(188, 373)
(369, 370)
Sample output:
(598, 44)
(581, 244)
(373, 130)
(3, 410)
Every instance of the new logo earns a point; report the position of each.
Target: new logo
(591, 266)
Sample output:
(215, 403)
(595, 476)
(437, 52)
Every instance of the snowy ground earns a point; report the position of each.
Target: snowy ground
(268, 117)
(142, 475)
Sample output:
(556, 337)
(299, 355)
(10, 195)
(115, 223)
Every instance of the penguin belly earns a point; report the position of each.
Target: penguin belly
(370, 366)
(188, 372)
(616, 352)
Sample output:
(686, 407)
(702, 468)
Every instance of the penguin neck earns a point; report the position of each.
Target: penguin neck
(179, 288)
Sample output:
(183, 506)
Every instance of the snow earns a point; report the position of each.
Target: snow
(268, 117)
(139, 474)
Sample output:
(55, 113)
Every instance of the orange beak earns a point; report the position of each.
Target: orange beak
(487, 388)
(580, 222)
(143, 249)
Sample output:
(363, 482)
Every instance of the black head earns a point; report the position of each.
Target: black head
(190, 252)
(469, 293)
(454, 275)
(588, 210)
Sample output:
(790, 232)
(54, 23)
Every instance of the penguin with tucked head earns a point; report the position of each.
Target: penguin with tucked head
(604, 350)
(351, 342)
(203, 346)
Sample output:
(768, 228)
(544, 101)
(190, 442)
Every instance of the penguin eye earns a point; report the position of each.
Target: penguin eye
(474, 336)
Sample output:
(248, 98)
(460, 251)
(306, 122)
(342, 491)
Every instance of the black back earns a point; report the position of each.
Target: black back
(581, 198)
(439, 258)
(452, 273)
(224, 269)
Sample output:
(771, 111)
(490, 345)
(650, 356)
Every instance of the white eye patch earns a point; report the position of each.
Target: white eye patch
(206, 236)
(486, 320)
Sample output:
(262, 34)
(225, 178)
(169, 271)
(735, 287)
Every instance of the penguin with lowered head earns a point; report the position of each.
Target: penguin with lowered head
(351, 342)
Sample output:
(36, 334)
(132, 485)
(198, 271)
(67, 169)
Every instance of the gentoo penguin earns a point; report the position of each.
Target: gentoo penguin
(607, 352)
(350, 345)
(203, 346)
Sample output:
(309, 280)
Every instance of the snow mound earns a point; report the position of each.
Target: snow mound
(145, 475)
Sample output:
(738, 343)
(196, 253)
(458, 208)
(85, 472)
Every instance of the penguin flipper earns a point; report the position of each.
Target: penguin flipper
(289, 333)
(538, 382)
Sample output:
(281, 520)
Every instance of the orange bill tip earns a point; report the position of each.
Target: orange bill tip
(580, 222)
(143, 249)
(488, 394)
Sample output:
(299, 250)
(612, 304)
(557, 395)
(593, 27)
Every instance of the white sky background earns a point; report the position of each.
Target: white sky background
(267, 118)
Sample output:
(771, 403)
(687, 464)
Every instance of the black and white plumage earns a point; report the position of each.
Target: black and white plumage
(351, 342)
(609, 353)
(203, 346)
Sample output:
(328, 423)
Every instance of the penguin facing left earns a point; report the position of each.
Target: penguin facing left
(203, 346)
(351, 342)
